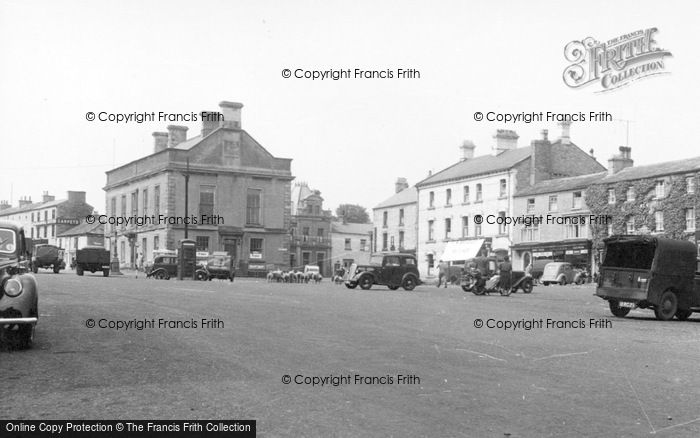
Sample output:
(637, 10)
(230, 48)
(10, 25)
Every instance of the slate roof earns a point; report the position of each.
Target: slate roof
(350, 228)
(687, 165)
(32, 206)
(561, 184)
(405, 196)
(83, 229)
(479, 166)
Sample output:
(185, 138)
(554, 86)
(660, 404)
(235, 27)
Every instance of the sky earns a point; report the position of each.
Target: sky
(349, 138)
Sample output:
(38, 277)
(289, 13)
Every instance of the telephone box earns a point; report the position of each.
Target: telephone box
(187, 260)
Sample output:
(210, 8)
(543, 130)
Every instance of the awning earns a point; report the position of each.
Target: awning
(500, 244)
(461, 250)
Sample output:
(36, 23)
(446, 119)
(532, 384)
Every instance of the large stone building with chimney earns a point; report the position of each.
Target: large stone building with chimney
(238, 192)
(461, 208)
(396, 220)
(310, 242)
(43, 221)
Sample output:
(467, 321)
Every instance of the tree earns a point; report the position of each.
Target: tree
(352, 213)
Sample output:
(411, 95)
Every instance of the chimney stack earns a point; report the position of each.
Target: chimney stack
(24, 201)
(232, 114)
(506, 139)
(76, 197)
(467, 148)
(160, 141)
(544, 133)
(4, 204)
(176, 135)
(210, 121)
(565, 127)
(45, 197)
(620, 161)
(401, 184)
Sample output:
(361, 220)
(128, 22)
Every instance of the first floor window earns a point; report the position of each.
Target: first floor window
(690, 219)
(530, 234)
(448, 228)
(256, 247)
(401, 240)
(659, 219)
(156, 243)
(363, 244)
(431, 230)
(203, 243)
(630, 226)
(253, 203)
(385, 241)
(465, 226)
(502, 229)
(348, 245)
(477, 230)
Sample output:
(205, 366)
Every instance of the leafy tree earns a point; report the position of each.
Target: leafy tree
(353, 213)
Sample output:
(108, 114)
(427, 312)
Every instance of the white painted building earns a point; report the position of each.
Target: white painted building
(395, 220)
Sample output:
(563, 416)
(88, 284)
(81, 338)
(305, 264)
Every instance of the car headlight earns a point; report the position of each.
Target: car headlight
(12, 287)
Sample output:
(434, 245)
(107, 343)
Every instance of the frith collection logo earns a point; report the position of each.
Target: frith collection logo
(616, 62)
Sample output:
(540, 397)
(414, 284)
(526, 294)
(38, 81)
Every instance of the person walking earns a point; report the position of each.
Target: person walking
(442, 273)
(505, 270)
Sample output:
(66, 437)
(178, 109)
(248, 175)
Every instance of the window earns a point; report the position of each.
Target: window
(135, 203)
(401, 217)
(206, 200)
(305, 258)
(577, 202)
(385, 219)
(256, 247)
(553, 203)
(385, 242)
(530, 234)
(431, 230)
(431, 200)
(478, 193)
(630, 194)
(465, 226)
(156, 243)
(203, 243)
(690, 184)
(46, 216)
(33, 215)
(448, 228)
(465, 196)
(144, 202)
(690, 219)
(392, 247)
(317, 211)
(448, 197)
(574, 231)
(401, 240)
(348, 246)
(122, 248)
(305, 231)
(531, 205)
(53, 214)
(502, 189)
(610, 230)
(45, 228)
(477, 230)
(659, 219)
(502, 228)
(156, 200)
(611, 196)
(123, 206)
(660, 189)
(363, 244)
(629, 226)
(253, 207)
(144, 249)
(320, 232)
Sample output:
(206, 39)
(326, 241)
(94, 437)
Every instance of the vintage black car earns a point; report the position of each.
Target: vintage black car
(93, 259)
(394, 271)
(163, 267)
(19, 302)
(649, 272)
(48, 257)
(217, 266)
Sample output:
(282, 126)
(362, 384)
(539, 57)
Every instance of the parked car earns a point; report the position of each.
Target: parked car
(163, 267)
(48, 257)
(394, 271)
(93, 259)
(19, 299)
(650, 273)
(558, 272)
(216, 266)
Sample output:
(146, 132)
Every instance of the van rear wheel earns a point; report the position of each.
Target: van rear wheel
(683, 314)
(618, 311)
(668, 306)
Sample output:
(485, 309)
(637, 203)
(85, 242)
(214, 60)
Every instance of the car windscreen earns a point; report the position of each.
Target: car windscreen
(219, 262)
(633, 255)
(8, 242)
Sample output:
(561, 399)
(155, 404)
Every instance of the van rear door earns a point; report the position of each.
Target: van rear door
(626, 269)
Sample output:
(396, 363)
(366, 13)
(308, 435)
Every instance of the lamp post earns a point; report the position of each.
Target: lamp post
(114, 264)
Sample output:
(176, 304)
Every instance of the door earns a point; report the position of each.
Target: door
(231, 247)
(391, 271)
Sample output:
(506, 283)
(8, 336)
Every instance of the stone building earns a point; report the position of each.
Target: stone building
(351, 243)
(453, 201)
(238, 197)
(43, 221)
(310, 242)
(395, 220)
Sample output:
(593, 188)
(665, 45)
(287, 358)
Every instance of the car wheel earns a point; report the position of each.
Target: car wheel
(351, 285)
(105, 272)
(160, 275)
(668, 306)
(618, 311)
(479, 290)
(526, 286)
(545, 283)
(201, 276)
(79, 270)
(409, 283)
(366, 282)
(562, 282)
(683, 314)
(393, 287)
(20, 337)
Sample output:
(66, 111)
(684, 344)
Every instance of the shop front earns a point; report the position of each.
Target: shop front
(577, 252)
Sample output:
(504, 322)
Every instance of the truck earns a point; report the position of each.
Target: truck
(650, 272)
(93, 259)
(48, 257)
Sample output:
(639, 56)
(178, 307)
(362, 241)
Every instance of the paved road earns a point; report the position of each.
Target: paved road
(634, 377)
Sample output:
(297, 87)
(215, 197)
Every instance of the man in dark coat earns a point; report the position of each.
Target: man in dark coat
(505, 269)
(442, 273)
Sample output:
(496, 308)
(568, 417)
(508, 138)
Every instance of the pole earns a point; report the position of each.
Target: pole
(187, 189)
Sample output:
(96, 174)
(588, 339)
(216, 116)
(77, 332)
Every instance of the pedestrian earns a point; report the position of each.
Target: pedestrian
(505, 269)
(442, 273)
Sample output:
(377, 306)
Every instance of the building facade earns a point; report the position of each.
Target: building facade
(351, 243)
(310, 242)
(237, 198)
(396, 220)
(462, 209)
(44, 221)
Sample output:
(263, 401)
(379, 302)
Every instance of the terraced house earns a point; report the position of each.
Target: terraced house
(233, 179)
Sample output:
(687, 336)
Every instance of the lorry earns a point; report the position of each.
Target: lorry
(93, 259)
(649, 272)
(48, 257)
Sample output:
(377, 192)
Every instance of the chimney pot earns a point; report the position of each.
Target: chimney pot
(232, 114)
(160, 141)
(210, 121)
(565, 128)
(467, 150)
(545, 133)
(621, 161)
(176, 135)
(506, 139)
(401, 184)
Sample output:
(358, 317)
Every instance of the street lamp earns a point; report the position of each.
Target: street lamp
(114, 264)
